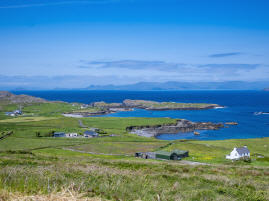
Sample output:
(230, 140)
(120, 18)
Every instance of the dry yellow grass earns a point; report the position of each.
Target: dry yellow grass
(26, 119)
(65, 195)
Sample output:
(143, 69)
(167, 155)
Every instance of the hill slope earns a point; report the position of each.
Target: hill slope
(7, 97)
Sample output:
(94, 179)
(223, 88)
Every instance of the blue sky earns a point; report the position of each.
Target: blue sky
(72, 44)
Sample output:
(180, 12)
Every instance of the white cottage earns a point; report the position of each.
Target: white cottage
(71, 135)
(238, 153)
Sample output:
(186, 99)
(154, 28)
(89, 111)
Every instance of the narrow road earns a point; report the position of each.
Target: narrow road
(81, 124)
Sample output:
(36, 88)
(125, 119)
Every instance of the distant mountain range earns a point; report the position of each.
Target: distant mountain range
(144, 86)
(163, 86)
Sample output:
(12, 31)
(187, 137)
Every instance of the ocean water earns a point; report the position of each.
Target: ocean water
(240, 106)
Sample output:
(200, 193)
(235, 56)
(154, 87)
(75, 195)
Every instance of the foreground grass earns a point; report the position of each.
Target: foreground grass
(48, 172)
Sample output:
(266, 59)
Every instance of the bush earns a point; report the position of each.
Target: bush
(38, 134)
(245, 159)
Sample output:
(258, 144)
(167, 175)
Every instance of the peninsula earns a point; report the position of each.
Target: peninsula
(181, 125)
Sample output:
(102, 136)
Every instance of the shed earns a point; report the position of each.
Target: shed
(146, 155)
(59, 134)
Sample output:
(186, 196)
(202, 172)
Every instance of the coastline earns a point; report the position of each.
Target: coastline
(182, 125)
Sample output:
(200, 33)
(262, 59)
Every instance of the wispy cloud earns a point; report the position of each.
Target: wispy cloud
(55, 3)
(230, 66)
(228, 54)
(160, 65)
(133, 65)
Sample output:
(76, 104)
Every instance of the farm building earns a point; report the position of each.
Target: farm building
(90, 133)
(173, 155)
(237, 153)
(14, 113)
(146, 155)
(166, 155)
(71, 135)
(59, 134)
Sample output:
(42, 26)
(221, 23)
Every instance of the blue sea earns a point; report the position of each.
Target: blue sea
(240, 107)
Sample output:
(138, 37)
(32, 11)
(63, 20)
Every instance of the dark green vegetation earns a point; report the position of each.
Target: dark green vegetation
(48, 167)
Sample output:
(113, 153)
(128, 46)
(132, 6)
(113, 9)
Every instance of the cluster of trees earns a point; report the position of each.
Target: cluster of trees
(49, 134)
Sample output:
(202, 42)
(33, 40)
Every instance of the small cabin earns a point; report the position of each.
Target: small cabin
(59, 134)
(237, 153)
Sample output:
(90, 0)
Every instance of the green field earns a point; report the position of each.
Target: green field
(105, 168)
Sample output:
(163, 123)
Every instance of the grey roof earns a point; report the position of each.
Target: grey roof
(90, 133)
(242, 150)
(57, 133)
(167, 153)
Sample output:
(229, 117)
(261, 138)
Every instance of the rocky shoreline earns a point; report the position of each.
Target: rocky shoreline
(181, 125)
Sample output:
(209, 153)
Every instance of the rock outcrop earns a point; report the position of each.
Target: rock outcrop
(103, 104)
(182, 125)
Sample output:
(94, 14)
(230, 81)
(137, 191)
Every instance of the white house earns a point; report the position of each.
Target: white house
(71, 135)
(238, 153)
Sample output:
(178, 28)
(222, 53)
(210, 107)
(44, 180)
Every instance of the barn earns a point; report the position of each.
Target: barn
(172, 155)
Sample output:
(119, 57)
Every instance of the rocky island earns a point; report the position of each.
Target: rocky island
(153, 105)
(102, 108)
(182, 125)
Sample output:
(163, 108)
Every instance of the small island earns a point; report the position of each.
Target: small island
(102, 108)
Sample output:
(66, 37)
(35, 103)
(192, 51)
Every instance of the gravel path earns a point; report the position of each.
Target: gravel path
(81, 124)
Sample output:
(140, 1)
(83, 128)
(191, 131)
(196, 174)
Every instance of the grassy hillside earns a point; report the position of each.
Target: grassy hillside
(104, 168)
(50, 171)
